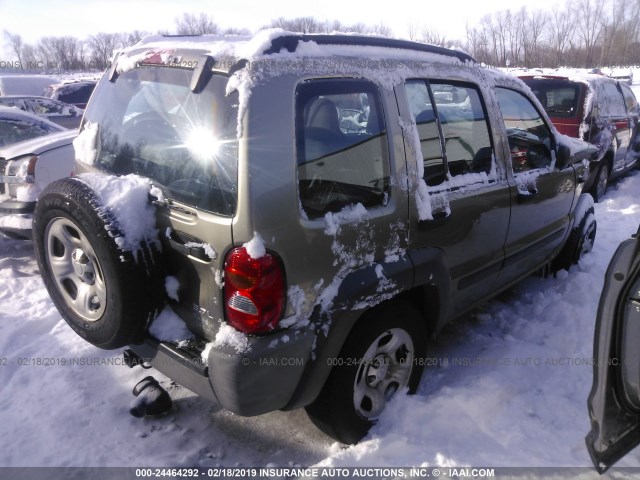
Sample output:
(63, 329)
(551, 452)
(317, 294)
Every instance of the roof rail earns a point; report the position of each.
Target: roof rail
(290, 43)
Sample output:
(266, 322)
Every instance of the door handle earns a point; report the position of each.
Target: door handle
(439, 218)
(527, 195)
(192, 249)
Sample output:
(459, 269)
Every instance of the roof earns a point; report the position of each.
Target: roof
(271, 42)
(573, 75)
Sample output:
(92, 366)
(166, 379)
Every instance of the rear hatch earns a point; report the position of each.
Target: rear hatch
(150, 122)
(562, 99)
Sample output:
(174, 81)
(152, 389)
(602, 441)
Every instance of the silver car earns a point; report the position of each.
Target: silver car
(25, 169)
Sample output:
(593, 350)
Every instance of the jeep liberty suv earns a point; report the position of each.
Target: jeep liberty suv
(308, 208)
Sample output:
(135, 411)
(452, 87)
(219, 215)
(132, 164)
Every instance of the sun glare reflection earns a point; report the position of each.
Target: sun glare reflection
(203, 144)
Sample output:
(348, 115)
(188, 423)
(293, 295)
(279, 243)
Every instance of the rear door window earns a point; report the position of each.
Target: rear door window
(529, 136)
(461, 144)
(342, 147)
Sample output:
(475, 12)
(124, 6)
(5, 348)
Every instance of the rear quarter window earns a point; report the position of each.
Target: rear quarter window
(610, 101)
(342, 147)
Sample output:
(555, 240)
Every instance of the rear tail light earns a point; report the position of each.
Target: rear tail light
(254, 291)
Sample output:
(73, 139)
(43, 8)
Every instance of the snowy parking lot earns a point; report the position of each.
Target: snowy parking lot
(507, 386)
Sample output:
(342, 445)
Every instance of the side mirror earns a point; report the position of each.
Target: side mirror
(563, 157)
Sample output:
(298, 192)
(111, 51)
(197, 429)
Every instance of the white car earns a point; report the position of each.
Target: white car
(25, 169)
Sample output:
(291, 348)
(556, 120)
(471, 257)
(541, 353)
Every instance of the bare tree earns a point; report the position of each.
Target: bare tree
(590, 21)
(196, 24)
(102, 46)
(413, 31)
(433, 36)
(131, 38)
(630, 35)
(15, 41)
(299, 24)
(382, 30)
(533, 28)
(478, 43)
(562, 26)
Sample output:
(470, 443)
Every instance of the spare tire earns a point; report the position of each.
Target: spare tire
(106, 294)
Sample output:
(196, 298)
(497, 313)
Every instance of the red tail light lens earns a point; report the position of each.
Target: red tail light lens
(254, 291)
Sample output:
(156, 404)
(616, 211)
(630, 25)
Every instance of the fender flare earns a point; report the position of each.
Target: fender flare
(413, 274)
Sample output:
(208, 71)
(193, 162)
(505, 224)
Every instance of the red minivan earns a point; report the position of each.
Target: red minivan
(599, 110)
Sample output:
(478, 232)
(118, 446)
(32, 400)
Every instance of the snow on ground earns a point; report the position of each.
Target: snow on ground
(508, 385)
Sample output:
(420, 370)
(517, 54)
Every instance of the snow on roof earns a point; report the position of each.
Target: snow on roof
(580, 75)
(252, 48)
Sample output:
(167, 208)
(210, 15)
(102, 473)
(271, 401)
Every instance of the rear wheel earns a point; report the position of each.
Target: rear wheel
(106, 294)
(382, 355)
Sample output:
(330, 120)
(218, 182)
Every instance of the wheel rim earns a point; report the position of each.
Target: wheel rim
(75, 269)
(385, 369)
(588, 239)
(603, 179)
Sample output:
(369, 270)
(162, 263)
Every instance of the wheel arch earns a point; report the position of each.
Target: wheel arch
(425, 286)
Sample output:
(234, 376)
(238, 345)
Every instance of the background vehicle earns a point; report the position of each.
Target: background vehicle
(622, 74)
(596, 109)
(25, 84)
(17, 126)
(25, 169)
(376, 209)
(75, 93)
(614, 401)
(65, 115)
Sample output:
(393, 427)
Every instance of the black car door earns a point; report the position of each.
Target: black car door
(614, 401)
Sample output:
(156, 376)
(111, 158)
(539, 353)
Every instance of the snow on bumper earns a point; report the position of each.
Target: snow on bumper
(260, 380)
(16, 217)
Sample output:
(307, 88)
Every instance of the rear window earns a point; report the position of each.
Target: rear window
(558, 97)
(75, 93)
(150, 123)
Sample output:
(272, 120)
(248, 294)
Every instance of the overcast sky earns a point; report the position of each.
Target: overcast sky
(33, 19)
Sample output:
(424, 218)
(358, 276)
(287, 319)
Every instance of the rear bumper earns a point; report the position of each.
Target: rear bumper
(261, 378)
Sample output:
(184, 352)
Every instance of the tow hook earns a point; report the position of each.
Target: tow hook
(151, 399)
(132, 359)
